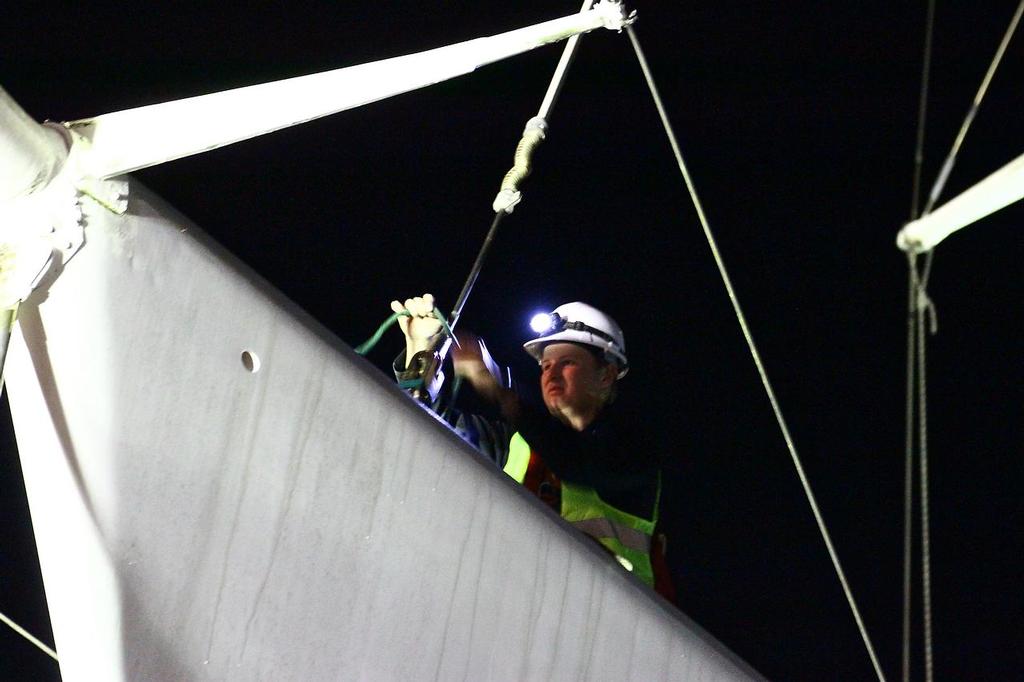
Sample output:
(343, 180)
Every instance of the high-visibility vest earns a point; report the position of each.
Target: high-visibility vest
(626, 536)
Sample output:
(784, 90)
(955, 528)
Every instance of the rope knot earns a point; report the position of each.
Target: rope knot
(927, 305)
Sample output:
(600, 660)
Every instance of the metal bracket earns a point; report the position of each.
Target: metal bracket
(613, 13)
(48, 224)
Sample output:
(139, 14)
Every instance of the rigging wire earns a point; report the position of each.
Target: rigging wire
(28, 635)
(908, 459)
(648, 76)
(920, 315)
(947, 165)
(509, 195)
(922, 110)
(547, 104)
(921, 307)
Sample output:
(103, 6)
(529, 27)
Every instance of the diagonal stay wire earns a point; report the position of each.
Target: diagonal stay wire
(753, 348)
(947, 165)
(28, 635)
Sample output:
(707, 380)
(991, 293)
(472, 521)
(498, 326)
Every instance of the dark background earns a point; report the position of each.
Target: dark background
(798, 123)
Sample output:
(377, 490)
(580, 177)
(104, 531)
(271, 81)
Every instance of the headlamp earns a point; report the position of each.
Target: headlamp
(543, 323)
(550, 323)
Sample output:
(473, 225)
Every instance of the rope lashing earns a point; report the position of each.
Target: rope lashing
(368, 345)
(759, 364)
(522, 165)
(535, 131)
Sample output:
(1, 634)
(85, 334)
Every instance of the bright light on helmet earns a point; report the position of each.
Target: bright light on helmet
(541, 322)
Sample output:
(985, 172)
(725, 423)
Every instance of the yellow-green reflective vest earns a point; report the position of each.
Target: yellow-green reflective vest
(628, 537)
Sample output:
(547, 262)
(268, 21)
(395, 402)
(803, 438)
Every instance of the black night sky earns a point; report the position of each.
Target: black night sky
(797, 120)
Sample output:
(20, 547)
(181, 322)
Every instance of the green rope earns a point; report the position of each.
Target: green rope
(370, 343)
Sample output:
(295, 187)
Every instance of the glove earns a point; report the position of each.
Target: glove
(420, 327)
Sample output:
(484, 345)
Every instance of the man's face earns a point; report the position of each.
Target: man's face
(572, 381)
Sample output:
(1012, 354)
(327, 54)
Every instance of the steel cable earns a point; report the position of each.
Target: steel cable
(947, 165)
(753, 348)
(28, 635)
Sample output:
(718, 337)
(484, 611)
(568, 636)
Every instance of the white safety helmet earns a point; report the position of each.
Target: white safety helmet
(579, 323)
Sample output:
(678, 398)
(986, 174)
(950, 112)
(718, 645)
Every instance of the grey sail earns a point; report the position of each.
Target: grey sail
(222, 490)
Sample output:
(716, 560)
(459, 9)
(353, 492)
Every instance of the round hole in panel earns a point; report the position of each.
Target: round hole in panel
(250, 361)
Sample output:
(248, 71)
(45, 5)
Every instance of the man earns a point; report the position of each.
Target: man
(594, 466)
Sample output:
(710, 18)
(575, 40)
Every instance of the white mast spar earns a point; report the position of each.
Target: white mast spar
(128, 140)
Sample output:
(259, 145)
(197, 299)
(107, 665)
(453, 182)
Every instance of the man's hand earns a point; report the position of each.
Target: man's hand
(469, 361)
(420, 326)
(474, 364)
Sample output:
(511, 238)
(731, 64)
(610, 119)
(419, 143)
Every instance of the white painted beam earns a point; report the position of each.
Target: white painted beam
(222, 490)
(997, 191)
(124, 141)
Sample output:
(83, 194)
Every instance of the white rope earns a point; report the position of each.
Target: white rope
(908, 453)
(920, 311)
(926, 562)
(28, 635)
(753, 348)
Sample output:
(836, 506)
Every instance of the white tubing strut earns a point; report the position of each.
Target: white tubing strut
(753, 349)
(125, 141)
(997, 191)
